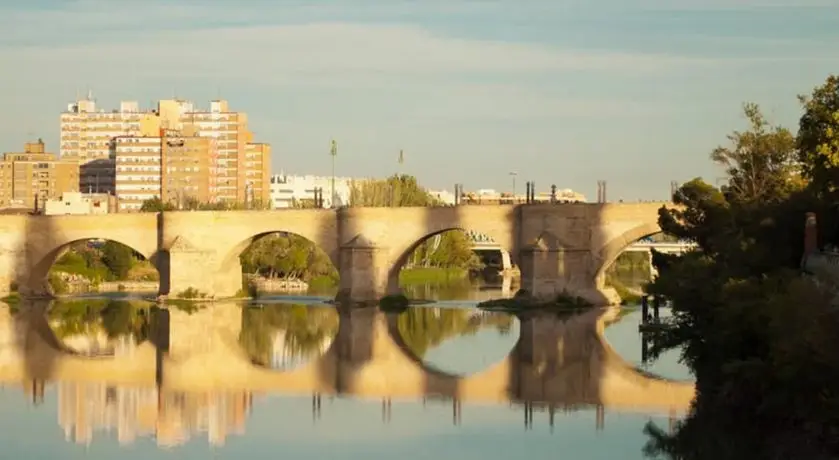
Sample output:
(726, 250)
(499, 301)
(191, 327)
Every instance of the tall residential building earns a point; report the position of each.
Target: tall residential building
(175, 166)
(214, 160)
(257, 173)
(230, 130)
(189, 165)
(86, 132)
(31, 177)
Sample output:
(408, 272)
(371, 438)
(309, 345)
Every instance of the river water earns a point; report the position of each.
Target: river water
(441, 359)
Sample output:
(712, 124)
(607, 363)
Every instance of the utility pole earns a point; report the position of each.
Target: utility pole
(334, 153)
(513, 174)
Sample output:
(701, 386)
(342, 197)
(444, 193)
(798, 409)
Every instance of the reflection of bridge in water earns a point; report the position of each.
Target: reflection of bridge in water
(557, 363)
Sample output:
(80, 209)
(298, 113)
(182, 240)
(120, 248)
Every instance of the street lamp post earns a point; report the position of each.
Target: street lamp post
(513, 174)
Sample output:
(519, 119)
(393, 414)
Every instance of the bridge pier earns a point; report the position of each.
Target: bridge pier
(198, 272)
(363, 270)
(548, 270)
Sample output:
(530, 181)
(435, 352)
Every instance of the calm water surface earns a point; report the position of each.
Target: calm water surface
(219, 395)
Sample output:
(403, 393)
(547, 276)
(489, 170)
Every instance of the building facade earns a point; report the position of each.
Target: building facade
(31, 177)
(287, 191)
(206, 155)
(77, 203)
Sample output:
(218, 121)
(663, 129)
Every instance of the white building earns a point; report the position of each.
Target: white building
(288, 191)
(77, 203)
(445, 196)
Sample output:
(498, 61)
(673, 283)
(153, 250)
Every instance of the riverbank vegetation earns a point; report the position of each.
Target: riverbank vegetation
(761, 338)
(92, 262)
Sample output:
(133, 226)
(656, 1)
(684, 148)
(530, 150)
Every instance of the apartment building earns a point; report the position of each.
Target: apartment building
(86, 131)
(175, 166)
(211, 155)
(258, 172)
(135, 164)
(189, 167)
(29, 178)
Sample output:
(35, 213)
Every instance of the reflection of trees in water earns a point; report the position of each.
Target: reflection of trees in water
(424, 328)
(114, 318)
(305, 330)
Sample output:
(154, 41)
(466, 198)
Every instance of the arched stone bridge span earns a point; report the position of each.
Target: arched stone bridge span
(556, 361)
(557, 246)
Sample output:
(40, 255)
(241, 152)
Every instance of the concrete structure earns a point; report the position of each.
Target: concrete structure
(560, 247)
(557, 362)
(82, 204)
(31, 177)
(288, 191)
(212, 148)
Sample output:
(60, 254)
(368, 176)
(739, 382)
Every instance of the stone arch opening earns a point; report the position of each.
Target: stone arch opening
(454, 263)
(94, 266)
(286, 337)
(454, 341)
(280, 262)
(634, 250)
(97, 327)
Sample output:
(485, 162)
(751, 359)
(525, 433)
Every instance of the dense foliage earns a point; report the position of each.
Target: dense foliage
(761, 338)
(109, 261)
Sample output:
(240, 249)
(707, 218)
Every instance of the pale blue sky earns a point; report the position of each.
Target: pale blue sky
(636, 92)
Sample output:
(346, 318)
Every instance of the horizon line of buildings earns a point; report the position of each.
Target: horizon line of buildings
(114, 160)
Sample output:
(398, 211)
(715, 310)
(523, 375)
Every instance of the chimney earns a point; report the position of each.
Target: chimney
(811, 234)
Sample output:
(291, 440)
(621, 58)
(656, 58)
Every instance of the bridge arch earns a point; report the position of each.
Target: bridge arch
(44, 258)
(404, 253)
(231, 268)
(610, 252)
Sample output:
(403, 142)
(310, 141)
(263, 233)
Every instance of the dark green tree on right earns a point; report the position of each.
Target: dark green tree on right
(761, 338)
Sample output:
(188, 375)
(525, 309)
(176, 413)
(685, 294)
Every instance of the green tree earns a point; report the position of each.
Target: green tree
(762, 341)
(818, 136)
(118, 258)
(156, 205)
(760, 161)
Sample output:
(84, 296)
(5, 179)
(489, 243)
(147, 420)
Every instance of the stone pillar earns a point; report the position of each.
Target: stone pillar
(188, 269)
(548, 270)
(363, 271)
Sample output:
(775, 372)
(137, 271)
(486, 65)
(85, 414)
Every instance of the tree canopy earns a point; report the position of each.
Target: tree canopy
(762, 341)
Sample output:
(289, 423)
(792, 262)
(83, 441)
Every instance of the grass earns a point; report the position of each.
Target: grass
(422, 275)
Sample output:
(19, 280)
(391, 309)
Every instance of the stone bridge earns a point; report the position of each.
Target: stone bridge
(556, 362)
(557, 246)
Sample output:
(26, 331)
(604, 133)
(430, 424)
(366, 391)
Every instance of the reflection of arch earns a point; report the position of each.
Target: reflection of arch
(43, 263)
(610, 252)
(40, 355)
(396, 336)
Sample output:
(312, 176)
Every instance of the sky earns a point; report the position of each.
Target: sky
(564, 92)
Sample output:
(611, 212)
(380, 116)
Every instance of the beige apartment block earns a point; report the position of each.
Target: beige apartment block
(188, 170)
(230, 130)
(136, 163)
(257, 173)
(230, 171)
(29, 178)
(86, 132)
